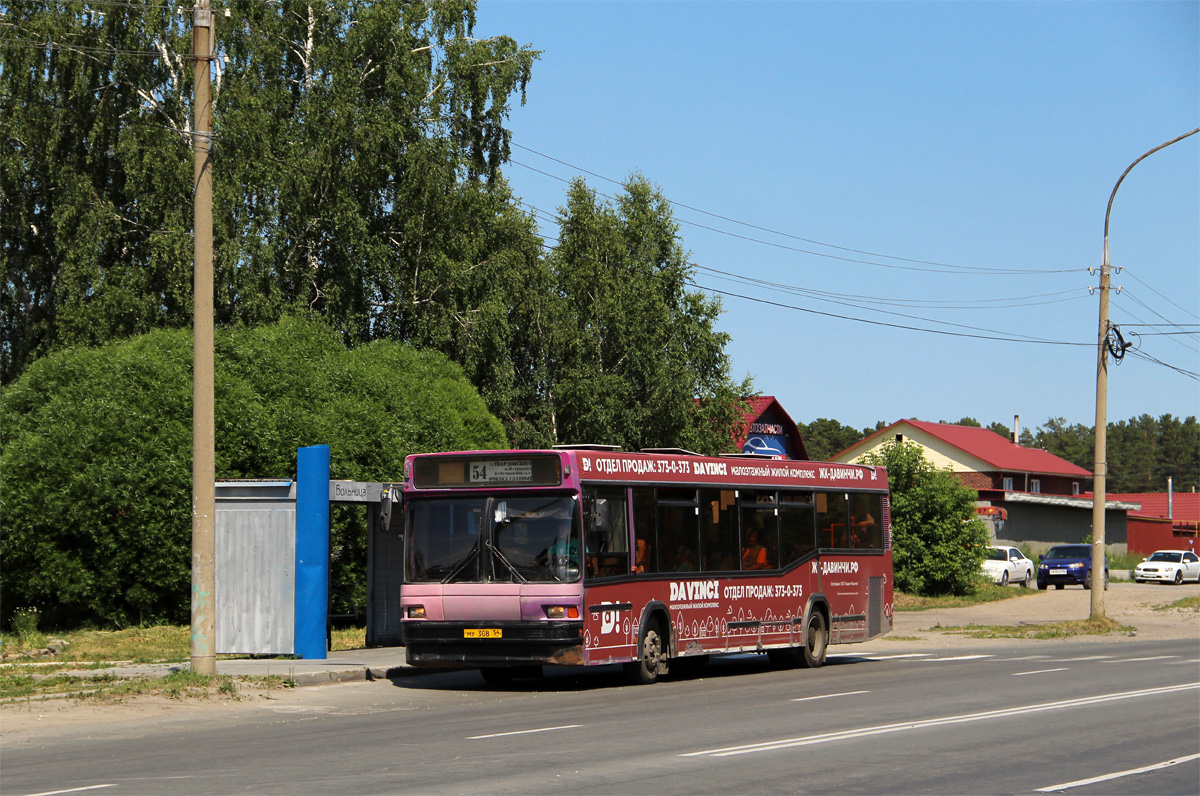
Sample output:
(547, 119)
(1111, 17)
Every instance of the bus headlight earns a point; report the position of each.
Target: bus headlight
(561, 611)
(414, 611)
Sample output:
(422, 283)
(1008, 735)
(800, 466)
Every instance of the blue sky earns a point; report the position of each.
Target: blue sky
(969, 148)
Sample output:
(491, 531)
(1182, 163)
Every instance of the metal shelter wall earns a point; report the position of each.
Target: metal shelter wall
(256, 567)
(256, 563)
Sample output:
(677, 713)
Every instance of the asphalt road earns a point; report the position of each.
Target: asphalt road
(1020, 718)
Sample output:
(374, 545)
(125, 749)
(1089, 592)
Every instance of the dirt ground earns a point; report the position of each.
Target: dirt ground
(1130, 604)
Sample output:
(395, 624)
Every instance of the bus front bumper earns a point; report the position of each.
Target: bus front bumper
(477, 644)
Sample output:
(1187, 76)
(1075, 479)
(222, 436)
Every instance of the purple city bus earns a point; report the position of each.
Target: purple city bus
(588, 557)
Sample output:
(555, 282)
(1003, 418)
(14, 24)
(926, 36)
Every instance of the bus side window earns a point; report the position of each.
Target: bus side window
(643, 530)
(833, 514)
(866, 512)
(606, 531)
(719, 530)
(796, 525)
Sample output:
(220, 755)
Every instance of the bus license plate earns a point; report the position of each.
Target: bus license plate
(482, 632)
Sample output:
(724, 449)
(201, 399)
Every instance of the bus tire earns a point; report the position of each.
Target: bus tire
(816, 640)
(651, 658)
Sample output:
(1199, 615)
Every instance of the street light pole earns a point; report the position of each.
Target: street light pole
(1100, 472)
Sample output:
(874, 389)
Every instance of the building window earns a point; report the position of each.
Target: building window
(1074, 487)
(1035, 486)
(1008, 484)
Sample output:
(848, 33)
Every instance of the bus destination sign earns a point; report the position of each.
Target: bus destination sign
(482, 470)
(502, 472)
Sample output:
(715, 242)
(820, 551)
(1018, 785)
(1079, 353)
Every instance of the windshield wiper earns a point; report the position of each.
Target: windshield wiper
(454, 573)
(503, 559)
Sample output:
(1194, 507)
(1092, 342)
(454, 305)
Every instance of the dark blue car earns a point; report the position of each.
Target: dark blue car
(1068, 563)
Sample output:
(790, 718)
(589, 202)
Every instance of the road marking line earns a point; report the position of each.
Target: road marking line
(1151, 658)
(808, 740)
(827, 696)
(1028, 658)
(1181, 663)
(523, 732)
(1040, 671)
(1084, 658)
(1117, 775)
(72, 790)
(958, 658)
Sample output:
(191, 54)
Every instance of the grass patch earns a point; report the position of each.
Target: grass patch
(158, 644)
(351, 638)
(1080, 627)
(987, 593)
(18, 687)
(32, 674)
(1187, 604)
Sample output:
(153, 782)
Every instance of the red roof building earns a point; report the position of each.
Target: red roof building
(1038, 496)
(1164, 521)
(768, 430)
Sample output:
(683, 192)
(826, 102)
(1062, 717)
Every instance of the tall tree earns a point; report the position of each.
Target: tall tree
(938, 541)
(357, 149)
(632, 357)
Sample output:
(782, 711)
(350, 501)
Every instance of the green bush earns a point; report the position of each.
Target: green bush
(938, 543)
(95, 455)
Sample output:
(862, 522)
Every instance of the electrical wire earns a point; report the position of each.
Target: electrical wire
(1160, 295)
(938, 267)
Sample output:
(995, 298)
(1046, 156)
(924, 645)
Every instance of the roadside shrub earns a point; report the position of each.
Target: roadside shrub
(938, 543)
(95, 454)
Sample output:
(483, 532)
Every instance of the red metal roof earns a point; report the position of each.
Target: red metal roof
(1185, 505)
(756, 408)
(990, 447)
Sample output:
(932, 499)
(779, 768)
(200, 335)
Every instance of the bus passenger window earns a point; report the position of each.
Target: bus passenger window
(718, 531)
(833, 514)
(760, 530)
(606, 531)
(866, 512)
(643, 530)
(796, 524)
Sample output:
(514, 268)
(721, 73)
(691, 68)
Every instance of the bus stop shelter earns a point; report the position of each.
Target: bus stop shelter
(272, 560)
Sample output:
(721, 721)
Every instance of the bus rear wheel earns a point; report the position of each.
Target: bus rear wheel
(651, 660)
(816, 640)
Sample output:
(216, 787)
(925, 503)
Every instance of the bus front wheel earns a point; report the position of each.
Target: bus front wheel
(651, 660)
(816, 640)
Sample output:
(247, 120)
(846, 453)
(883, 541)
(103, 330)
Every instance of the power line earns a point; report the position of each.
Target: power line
(938, 267)
(49, 45)
(1160, 295)
(890, 325)
(834, 298)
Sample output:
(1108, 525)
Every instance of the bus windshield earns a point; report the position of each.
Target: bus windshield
(493, 539)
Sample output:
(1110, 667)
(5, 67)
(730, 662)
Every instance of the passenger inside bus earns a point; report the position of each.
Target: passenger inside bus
(683, 560)
(754, 555)
(641, 560)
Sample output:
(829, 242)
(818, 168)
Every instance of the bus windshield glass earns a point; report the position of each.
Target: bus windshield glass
(493, 539)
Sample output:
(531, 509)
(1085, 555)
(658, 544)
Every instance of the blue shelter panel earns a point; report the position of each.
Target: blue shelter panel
(312, 551)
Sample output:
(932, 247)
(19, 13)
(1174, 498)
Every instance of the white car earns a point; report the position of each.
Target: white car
(1168, 566)
(1005, 565)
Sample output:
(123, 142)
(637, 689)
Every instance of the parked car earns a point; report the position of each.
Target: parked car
(1005, 565)
(1068, 563)
(1168, 566)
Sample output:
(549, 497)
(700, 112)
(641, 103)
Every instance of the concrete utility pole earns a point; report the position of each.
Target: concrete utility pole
(1101, 466)
(204, 628)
